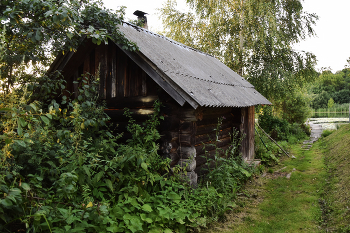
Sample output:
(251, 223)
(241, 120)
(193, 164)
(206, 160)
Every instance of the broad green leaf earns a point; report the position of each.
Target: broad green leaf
(25, 186)
(245, 172)
(21, 143)
(109, 184)
(147, 208)
(49, 115)
(20, 130)
(98, 176)
(144, 166)
(45, 119)
(87, 170)
(6, 202)
(134, 202)
(174, 196)
(33, 106)
(135, 224)
(22, 122)
(155, 230)
(167, 230)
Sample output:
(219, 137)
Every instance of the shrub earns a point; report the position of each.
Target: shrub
(326, 133)
(62, 170)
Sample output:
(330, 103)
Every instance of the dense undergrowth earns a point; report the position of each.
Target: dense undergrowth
(62, 170)
(285, 133)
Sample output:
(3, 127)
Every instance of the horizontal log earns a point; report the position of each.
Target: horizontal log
(206, 129)
(169, 136)
(186, 152)
(187, 139)
(187, 164)
(131, 102)
(174, 159)
(204, 169)
(213, 119)
(210, 155)
(187, 127)
(169, 123)
(170, 108)
(202, 148)
(141, 115)
(212, 136)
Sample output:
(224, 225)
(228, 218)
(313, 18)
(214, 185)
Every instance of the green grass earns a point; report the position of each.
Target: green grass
(315, 199)
(337, 190)
(286, 205)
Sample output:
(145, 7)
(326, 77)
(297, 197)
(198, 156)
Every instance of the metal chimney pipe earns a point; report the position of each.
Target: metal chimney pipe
(141, 16)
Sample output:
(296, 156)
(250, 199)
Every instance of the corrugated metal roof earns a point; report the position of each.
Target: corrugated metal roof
(202, 77)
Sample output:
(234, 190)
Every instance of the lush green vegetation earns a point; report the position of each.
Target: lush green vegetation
(280, 130)
(331, 91)
(61, 167)
(62, 170)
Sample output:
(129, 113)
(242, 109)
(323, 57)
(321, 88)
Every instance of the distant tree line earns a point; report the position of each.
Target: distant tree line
(330, 88)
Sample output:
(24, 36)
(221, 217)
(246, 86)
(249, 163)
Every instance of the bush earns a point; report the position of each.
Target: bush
(62, 170)
(326, 133)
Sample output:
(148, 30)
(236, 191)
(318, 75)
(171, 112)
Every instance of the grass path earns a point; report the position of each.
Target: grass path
(274, 203)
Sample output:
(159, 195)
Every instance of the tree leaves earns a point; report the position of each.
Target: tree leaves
(45, 120)
(254, 38)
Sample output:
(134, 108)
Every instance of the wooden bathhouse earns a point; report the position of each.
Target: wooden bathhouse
(194, 87)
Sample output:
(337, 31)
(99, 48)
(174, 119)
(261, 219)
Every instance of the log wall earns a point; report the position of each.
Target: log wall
(213, 138)
(123, 84)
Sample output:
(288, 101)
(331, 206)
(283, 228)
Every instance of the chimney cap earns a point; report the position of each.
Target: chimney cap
(140, 13)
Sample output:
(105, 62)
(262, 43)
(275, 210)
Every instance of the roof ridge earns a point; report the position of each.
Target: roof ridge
(166, 38)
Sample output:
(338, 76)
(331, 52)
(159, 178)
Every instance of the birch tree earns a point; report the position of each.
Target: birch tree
(253, 37)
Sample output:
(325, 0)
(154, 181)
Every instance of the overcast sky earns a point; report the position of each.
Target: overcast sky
(331, 45)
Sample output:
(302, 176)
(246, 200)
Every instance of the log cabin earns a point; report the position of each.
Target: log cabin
(194, 87)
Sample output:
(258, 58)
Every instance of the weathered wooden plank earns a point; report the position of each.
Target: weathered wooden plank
(202, 148)
(109, 76)
(207, 129)
(86, 68)
(248, 129)
(103, 69)
(187, 127)
(113, 70)
(121, 73)
(187, 139)
(137, 114)
(131, 102)
(170, 136)
(212, 136)
(144, 81)
(76, 84)
(215, 119)
(133, 78)
(154, 75)
(92, 62)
